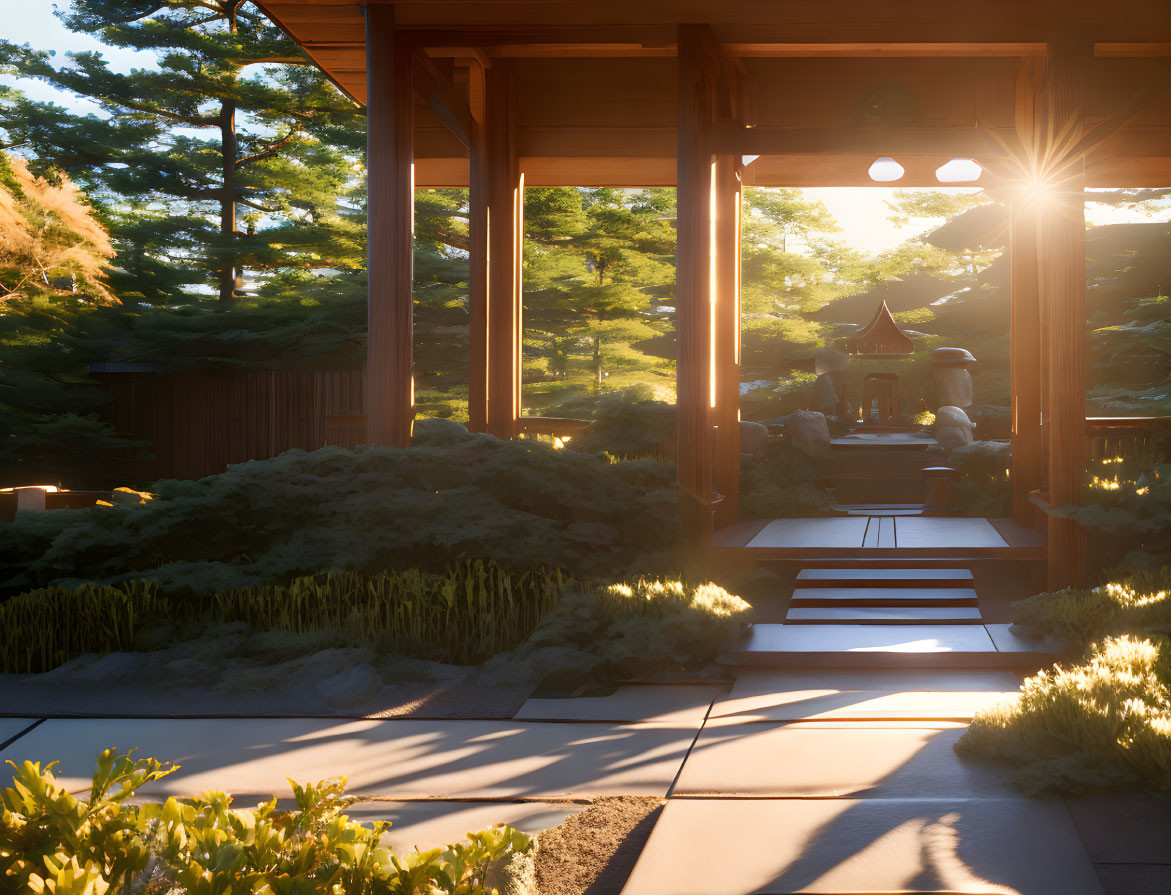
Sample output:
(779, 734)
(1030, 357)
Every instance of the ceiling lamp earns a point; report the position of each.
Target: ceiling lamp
(885, 169)
(959, 170)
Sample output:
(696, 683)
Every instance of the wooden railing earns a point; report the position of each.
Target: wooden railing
(1138, 439)
(553, 428)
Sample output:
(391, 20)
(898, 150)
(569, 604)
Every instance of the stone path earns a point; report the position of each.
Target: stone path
(793, 779)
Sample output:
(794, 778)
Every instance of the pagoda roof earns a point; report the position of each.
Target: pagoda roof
(880, 336)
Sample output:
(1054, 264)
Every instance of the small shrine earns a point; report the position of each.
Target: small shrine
(881, 337)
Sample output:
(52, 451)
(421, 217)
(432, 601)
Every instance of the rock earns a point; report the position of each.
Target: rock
(753, 439)
(437, 431)
(808, 432)
(957, 357)
(952, 427)
(953, 386)
(350, 687)
(825, 395)
(827, 360)
(115, 667)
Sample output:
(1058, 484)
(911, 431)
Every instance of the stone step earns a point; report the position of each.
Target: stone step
(884, 615)
(890, 645)
(883, 577)
(883, 596)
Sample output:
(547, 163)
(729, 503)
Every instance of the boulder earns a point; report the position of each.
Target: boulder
(953, 386)
(808, 432)
(753, 439)
(350, 687)
(827, 360)
(825, 395)
(953, 357)
(952, 427)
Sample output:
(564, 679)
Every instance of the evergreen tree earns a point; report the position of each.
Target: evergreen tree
(599, 273)
(229, 156)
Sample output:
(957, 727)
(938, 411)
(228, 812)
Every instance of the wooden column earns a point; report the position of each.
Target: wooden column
(1062, 254)
(1028, 443)
(695, 283)
(1026, 374)
(390, 227)
(477, 258)
(502, 186)
(726, 413)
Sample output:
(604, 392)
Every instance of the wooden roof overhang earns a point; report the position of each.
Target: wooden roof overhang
(828, 86)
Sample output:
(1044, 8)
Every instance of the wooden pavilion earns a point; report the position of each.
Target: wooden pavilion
(1049, 96)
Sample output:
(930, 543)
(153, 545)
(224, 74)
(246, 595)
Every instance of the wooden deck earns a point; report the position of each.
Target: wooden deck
(879, 537)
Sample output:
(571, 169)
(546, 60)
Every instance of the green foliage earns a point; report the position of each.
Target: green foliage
(461, 616)
(782, 484)
(1137, 604)
(983, 489)
(449, 495)
(1128, 503)
(640, 625)
(473, 611)
(40, 629)
(630, 425)
(230, 155)
(1104, 724)
(53, 842)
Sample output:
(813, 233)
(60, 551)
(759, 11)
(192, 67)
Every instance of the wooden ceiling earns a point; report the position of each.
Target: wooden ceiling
(834, 84)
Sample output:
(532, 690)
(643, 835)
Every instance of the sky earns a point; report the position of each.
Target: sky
(860, 212)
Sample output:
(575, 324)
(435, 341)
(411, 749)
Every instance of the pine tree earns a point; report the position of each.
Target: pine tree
(230, 156)
(599, 274)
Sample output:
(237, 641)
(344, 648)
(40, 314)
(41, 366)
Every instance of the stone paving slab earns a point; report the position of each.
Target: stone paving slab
(839, 759)
(883, 577)
(1124, 827)
(840, 531)
(395, 758)
(1009, 641)
(937, 531)
(859, 705)
(13, 727)
(433, 823)
(679, 704)
(868, 638)
(834, 846)
(884, 615)
(885, 596)
(1134, 879)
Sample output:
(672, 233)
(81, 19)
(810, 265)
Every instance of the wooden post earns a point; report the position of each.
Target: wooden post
(1062, 254)
(695, 283)
(1028, 443)
(477, 258)
(503, 188)
(390, 228)
(727, 337)
(1025, 364)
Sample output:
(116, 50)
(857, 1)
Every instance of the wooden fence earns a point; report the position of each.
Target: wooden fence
(199, 421)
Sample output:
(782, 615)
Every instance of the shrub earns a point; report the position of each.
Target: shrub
(1077, 617)
(630, 425)
(450, 495)
(51, 841)
(782, 484)
(471, 611)
(983, 489)
(644, 624)
(1100, 725)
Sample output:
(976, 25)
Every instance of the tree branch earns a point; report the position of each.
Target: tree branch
(269, 151)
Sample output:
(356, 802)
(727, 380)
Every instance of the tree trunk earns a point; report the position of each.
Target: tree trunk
(598, 361)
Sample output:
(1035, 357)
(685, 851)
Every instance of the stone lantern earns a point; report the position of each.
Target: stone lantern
(953, 382)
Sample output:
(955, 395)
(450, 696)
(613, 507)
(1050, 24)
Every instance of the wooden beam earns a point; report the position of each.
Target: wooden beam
(436, 87)
(1062, 255)
(950, 142)
(1028, 444)
(504, 213)
(695, 275)
(726, 331)
(390, 226)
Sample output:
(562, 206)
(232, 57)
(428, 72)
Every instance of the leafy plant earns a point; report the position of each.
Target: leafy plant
(449, 495)
(40, 629)
(781, 484)
(51, 841)
(471, 611)
(1099, 725)
(983, 489)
